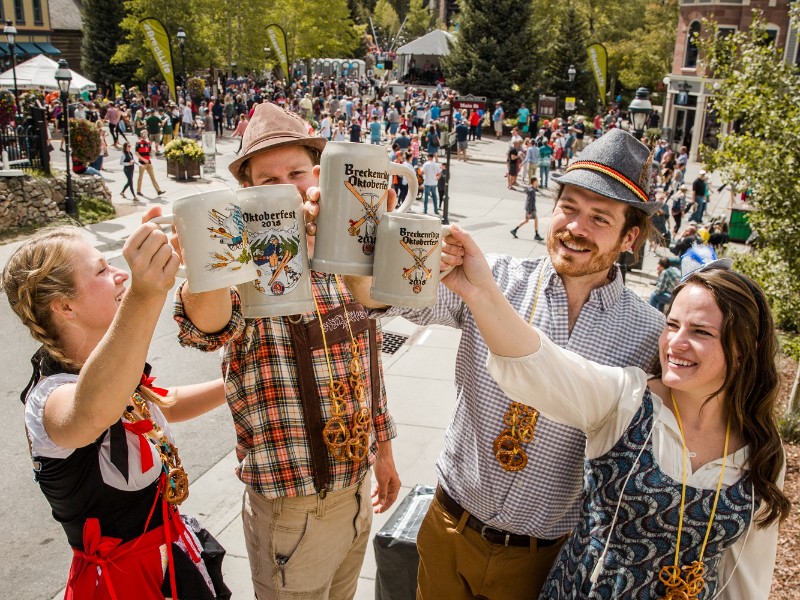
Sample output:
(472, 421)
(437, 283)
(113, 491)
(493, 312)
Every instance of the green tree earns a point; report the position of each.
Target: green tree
(386, 22)
(101, 35)
(760, 95)
(568, 48)
(492, 55)
(418, 20)
(639, 36)
(646, 56)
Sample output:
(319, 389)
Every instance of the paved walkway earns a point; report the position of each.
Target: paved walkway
(419, 375)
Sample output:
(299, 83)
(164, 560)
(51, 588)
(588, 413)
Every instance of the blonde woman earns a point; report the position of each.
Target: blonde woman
(100, 441)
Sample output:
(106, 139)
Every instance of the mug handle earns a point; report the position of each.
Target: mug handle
(169, 220)
(413, 186)
(445, 272)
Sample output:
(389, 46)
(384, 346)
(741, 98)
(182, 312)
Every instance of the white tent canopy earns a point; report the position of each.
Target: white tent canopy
(40, 73)
(427, 49)
(435, 43)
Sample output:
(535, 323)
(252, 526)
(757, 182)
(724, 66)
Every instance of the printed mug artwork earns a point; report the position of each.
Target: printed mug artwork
(369, 220)
(279, 262)
(230, 231)
(417, 274)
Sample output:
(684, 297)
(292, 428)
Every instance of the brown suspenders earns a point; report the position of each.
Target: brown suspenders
(309, 390)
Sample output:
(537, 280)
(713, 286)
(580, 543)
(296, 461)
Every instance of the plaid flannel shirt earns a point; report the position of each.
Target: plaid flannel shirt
(667, 280)
(262, 386)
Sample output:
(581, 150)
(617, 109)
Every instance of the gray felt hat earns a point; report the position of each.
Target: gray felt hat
(616, 166)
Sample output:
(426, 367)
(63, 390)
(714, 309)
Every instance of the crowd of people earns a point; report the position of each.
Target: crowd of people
(605, 450)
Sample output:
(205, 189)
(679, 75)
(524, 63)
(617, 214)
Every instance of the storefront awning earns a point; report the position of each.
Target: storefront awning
(29, 48)
(48, 48)
(17, 50)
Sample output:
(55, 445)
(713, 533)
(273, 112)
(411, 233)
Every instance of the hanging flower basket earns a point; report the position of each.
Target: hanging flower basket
(7, 109)
(196, 86)
(27, 102)
(84, 140)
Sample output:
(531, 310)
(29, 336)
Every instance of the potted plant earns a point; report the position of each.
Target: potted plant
(184, 158)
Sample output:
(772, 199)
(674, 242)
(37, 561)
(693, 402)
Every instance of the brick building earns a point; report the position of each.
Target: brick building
(687, 119)
(31, 18)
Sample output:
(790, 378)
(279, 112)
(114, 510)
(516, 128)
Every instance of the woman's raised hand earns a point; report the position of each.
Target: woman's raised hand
(152, 261)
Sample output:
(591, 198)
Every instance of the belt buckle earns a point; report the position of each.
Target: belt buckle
(483, 535)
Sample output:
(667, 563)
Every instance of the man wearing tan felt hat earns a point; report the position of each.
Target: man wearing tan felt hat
(290, 382)
(509, 479)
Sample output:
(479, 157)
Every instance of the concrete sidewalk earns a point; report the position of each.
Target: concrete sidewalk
(419, 375)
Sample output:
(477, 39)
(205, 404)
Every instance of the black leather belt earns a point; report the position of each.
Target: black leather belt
(490, 534)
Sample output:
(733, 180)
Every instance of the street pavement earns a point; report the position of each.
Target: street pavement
(419, 375)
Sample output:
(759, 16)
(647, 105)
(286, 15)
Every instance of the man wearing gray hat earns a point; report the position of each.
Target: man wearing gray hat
(509, 479)
(306, 508)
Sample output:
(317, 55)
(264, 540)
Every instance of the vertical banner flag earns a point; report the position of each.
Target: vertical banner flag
(598, 59)
(156, 37)
(277, 40)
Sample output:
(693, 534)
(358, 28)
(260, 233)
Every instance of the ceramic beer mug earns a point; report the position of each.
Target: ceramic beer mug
(273, 217)
(407, 256)
(214, 244)
(354, 184)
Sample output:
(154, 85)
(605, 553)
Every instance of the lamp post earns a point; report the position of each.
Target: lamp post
(64, 78)
(639, 111)
(11, 35)
(181, 35)
(571, 72)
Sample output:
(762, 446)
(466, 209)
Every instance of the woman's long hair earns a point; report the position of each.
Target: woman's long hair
(40, 272)
(751, 380)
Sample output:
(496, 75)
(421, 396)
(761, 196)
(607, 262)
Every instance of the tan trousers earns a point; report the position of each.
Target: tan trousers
(149, 169)
(306, 547)
(456, 563)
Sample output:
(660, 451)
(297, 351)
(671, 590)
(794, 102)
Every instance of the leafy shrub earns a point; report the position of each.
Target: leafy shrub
(789, 428)
(94, 210)
(782, 290)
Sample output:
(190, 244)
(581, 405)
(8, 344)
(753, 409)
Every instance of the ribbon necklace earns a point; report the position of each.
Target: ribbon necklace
(346, 443)
(689, 584)
(520, 420)
(142, 424)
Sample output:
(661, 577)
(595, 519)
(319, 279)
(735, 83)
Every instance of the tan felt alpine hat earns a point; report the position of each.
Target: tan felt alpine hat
(271, 127)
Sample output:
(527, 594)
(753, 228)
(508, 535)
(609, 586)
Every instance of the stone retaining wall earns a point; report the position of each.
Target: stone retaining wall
(30, 200)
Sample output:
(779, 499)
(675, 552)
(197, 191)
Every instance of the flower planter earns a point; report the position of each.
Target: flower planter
(183, 170)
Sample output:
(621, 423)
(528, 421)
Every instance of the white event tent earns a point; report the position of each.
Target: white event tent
(39, 73)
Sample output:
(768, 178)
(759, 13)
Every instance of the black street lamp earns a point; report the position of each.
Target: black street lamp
(639, 111)
(571, 72)
(11, 35)
(64, 78)
(181, 35)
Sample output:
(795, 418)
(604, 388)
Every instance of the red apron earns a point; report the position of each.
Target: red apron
(107, 569)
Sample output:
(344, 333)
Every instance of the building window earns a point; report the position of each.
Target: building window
(772, 36)
(37, 12)
(19, 11)
(726, 31)
(690, 62)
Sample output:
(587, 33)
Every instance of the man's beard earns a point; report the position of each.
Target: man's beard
(577, 266)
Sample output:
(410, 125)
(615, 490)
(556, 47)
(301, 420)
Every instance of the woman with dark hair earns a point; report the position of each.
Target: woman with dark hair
(128, 163)
(100, 441)
(684, 471)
